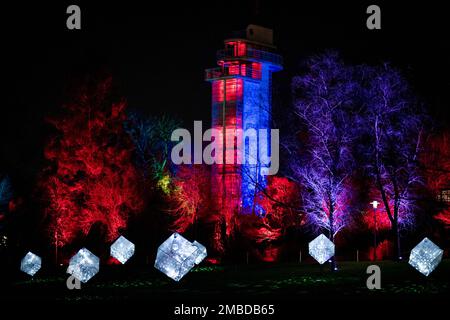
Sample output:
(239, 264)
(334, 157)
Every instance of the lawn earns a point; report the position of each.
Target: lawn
(275, 282)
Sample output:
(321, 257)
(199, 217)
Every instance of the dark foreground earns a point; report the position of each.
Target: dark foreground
(287, 286)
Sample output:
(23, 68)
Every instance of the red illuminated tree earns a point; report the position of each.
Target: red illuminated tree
(280, 202)
(189, 196)
(436, 162)
(90, 178)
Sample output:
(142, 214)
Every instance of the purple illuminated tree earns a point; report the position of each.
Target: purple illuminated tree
(393, 137)
(324, 98)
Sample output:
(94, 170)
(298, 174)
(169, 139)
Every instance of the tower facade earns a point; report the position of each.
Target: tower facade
(241, 100)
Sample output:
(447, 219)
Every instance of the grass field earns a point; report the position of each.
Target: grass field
(277, 282)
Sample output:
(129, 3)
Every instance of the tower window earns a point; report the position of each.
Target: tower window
(241, 49)
(232, 87)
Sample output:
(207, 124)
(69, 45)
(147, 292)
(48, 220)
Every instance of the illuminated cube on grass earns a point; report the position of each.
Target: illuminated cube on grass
(177, 256)
(31, 263)
(122, 249)
(321, 249)
(426, 256)
(84, 265)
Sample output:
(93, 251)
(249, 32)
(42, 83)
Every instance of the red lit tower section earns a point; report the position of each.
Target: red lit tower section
(241, 99)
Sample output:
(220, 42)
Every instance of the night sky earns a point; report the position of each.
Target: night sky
(157, 55)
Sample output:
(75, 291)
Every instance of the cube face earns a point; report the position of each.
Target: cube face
(321, 249)
(84, 265)
(178, 247)
(200, 253)
(122, 249)
(177, 256)
(425, 257)
(171, 267)
(31, 264)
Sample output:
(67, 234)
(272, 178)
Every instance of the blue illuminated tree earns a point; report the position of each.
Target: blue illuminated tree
(151, 138)
(324, 101)
(394, 128)
(5, 192)
(5, 196)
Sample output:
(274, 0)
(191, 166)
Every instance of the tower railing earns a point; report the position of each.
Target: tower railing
(232, 71)
(251, 54)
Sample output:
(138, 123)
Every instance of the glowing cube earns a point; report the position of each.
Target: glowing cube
(425, 257)
(84, 265)
(30, 264)
(177, 256)
(122, 249)
(321, 249)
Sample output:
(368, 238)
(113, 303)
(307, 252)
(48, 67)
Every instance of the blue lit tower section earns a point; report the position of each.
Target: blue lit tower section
(241, 99)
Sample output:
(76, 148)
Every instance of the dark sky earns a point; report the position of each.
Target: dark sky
(157, 54)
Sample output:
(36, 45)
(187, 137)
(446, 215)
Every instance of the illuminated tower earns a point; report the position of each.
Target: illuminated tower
(241, 99)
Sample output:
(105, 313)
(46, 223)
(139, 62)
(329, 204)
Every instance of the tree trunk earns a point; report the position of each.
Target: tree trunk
(397, 248)
(331, 236)
(333, 260)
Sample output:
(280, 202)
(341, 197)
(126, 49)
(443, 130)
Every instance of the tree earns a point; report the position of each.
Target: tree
(5, 192)
(394, 126)
(189, 196)
(5, 198)
(436, 163)
(90, 178)
(324, 99)
(279, 200)
(151, 138)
